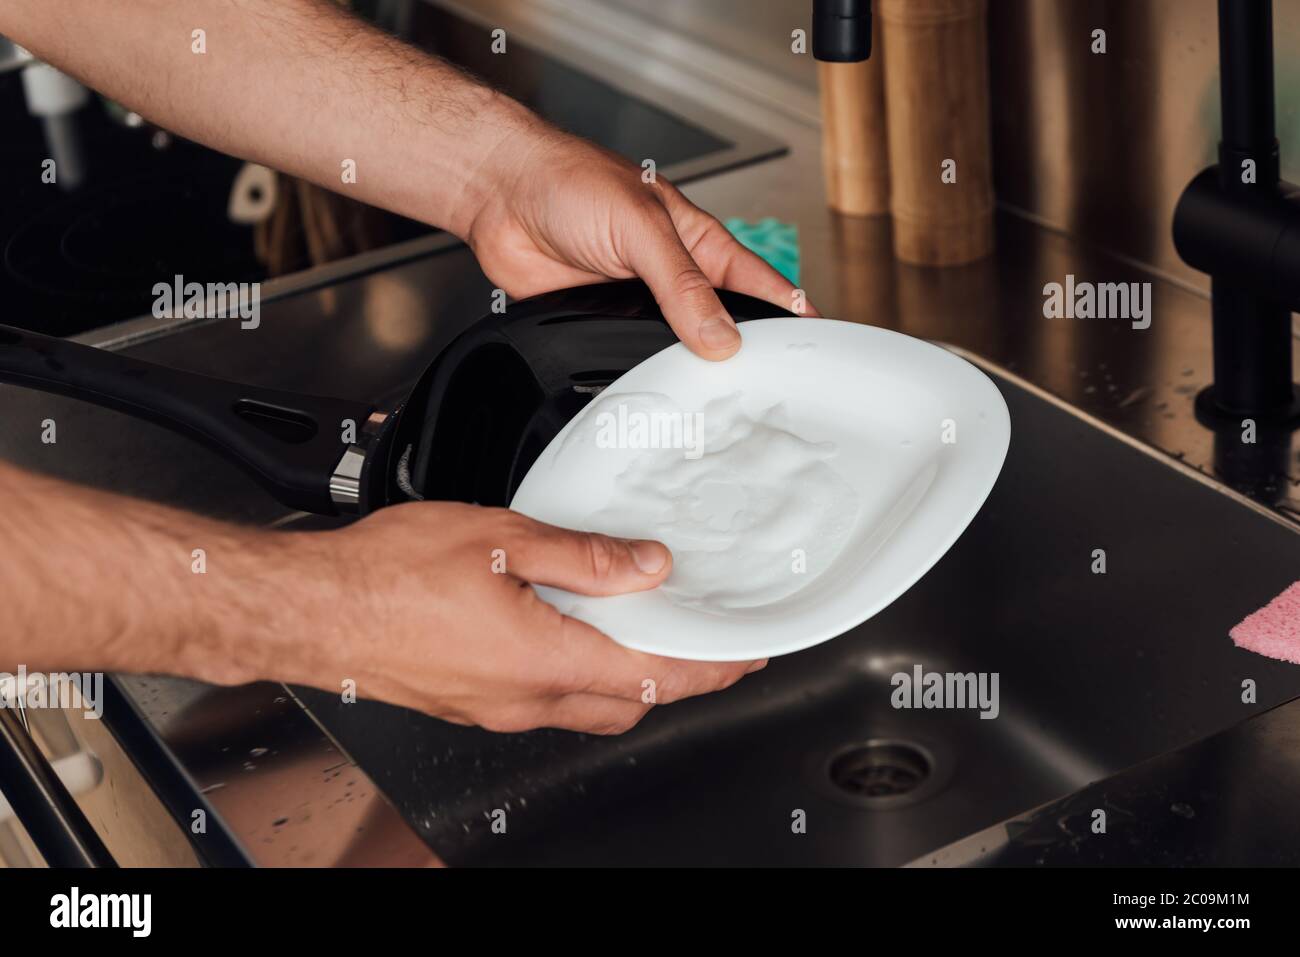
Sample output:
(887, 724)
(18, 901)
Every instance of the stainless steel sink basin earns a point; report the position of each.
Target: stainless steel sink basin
(1096, 672)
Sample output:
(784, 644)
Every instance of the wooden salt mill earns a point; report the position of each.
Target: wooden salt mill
(910, 135)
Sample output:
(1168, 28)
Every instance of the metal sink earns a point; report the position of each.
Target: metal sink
(1096, 672)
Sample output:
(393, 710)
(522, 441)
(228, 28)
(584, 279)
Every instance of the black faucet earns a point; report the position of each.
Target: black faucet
(1240, 223)
(841, 30)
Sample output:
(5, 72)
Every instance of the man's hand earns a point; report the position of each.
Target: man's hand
(563, 212)
(429, 605)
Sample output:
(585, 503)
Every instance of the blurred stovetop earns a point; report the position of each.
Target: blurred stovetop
(86, 251)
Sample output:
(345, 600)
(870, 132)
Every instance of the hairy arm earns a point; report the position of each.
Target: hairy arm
(302, 86)
(404, 604)
(298, 85)
(97, 582)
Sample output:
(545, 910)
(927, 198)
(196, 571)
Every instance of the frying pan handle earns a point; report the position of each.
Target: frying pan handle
(292, 444)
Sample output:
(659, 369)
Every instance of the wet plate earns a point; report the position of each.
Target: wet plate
(802, 485)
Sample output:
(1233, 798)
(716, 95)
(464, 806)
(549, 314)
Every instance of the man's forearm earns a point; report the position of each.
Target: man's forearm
(94, 581)
(298, 85)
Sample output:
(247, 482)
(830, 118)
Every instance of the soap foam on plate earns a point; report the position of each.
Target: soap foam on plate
(752, 511)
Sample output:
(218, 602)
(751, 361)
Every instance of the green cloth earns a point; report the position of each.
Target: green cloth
(775, 241)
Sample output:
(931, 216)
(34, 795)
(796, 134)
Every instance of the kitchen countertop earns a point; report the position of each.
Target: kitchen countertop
(374, 333)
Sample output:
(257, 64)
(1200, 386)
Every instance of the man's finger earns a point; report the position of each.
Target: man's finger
(587, 661)
(594, 714)
(744, 271)
(686, 679)
(727, 262)
(683, 292)
(651, 679)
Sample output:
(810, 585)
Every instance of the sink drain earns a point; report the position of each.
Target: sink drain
(879, 770)
(880, 773)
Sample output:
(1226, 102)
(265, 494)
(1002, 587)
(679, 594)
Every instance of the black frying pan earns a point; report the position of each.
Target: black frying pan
(471, 428)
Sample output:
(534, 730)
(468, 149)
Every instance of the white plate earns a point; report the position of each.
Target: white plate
(782, 540)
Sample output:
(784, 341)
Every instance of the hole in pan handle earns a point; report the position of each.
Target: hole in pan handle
(291, 444)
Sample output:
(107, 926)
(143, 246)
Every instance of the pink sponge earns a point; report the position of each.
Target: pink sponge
(1273, 630)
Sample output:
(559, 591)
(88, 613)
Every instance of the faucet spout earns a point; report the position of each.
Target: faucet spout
(1246, 99)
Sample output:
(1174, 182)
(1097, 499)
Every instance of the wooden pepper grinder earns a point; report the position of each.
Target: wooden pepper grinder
(937, 107)
(855, 162)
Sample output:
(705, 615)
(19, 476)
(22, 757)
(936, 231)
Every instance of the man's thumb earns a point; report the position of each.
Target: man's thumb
(589, 563)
